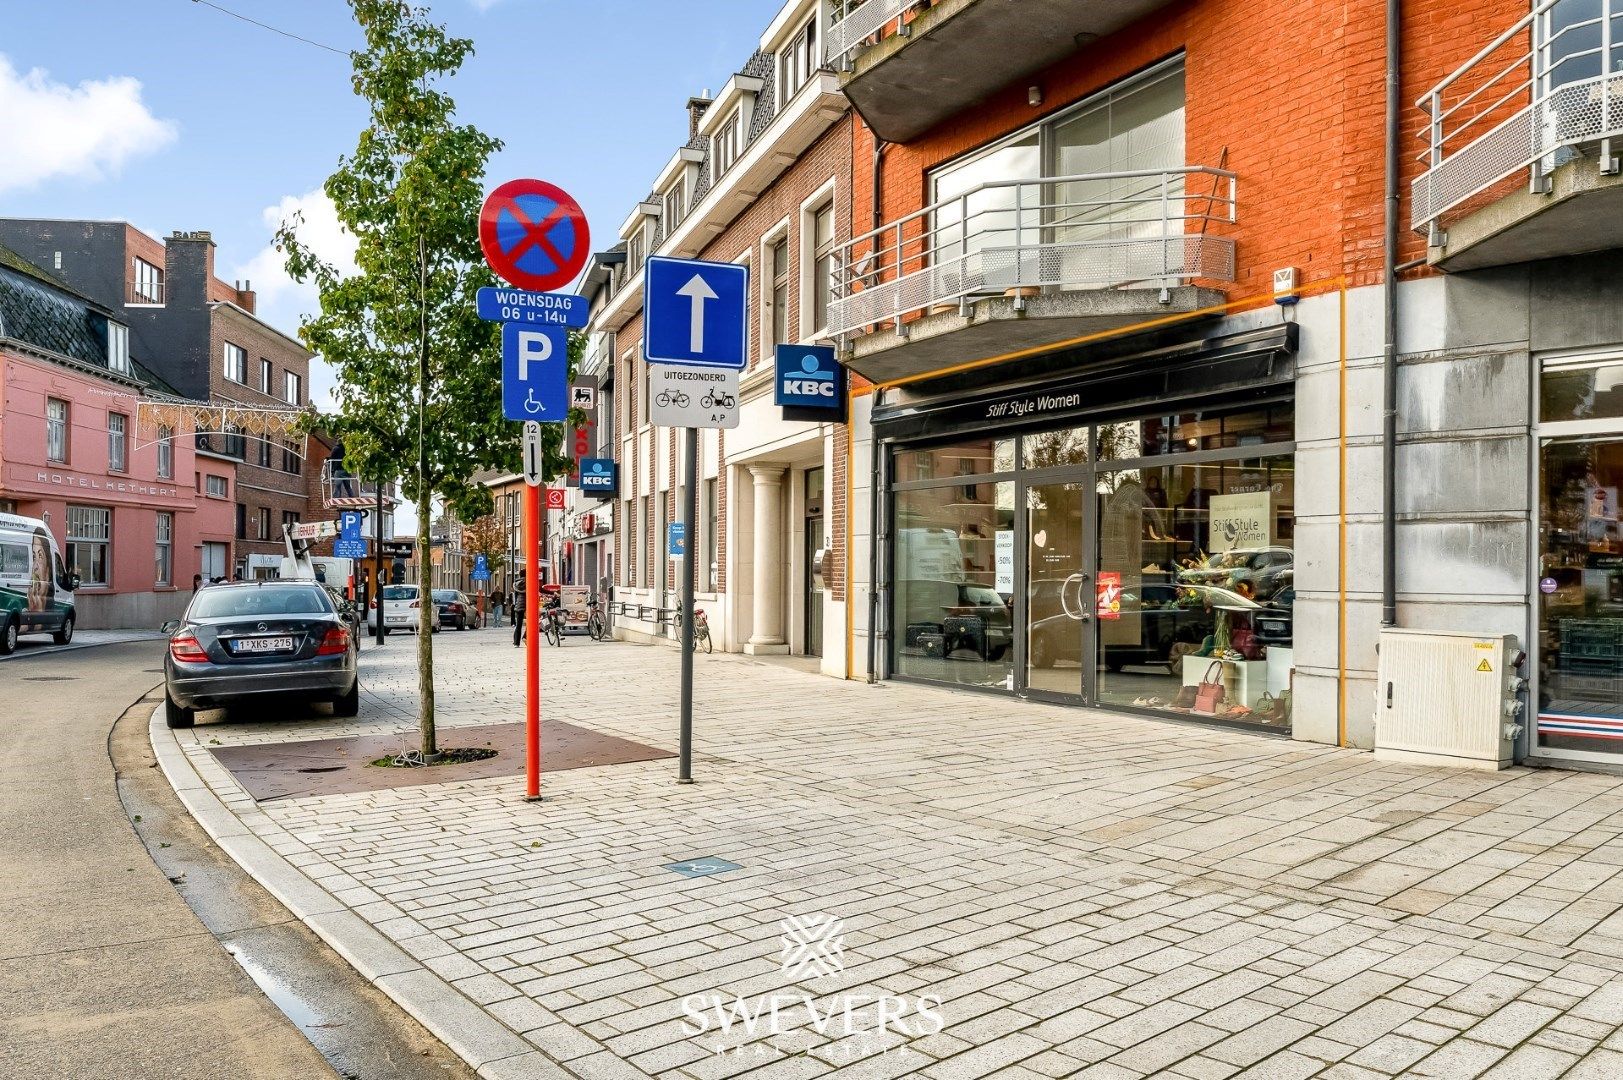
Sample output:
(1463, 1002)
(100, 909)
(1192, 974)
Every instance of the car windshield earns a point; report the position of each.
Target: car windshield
(400, 592)
(447, 595)
(264, 600)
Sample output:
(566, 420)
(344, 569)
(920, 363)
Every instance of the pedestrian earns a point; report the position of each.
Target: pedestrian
(518, 612)
(496, 607)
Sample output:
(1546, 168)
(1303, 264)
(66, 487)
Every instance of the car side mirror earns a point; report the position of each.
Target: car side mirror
(171, 626)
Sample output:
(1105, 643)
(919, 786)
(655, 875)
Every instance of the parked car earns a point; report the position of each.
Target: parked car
(943, 617)
(456, 610)
(400, 608)
(36, 589)
(255, 639)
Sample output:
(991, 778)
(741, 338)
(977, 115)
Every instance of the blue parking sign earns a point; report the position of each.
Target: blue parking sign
(535, 372)
(694, 313)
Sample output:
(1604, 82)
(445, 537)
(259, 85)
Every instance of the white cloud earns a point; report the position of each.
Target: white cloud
(283, 302)
(49, 130)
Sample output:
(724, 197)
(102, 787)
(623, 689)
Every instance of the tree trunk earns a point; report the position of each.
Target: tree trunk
(427, 617)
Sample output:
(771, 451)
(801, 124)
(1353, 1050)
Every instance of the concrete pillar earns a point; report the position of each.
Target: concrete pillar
(767, 580)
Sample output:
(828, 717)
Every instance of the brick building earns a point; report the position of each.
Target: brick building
(763, 179)
(200, 334)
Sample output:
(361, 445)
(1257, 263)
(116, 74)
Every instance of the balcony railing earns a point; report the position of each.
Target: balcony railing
(1548, 86)
(854, 21)
(1015, 237)
(340, 489)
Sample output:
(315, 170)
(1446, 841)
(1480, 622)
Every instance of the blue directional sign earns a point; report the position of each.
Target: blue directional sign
(597, 476)
(515, 305)
(676, 539)
(345, 548)
(481, 569)
(693, 313)
(349, 525)
(535, 372)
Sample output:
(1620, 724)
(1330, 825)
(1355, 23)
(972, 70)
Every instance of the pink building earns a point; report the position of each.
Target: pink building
(136, 511)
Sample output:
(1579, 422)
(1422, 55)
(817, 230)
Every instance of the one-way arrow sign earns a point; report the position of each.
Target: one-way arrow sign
(695, 313)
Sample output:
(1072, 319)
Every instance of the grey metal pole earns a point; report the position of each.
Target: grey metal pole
(690, 510)
(377, 563)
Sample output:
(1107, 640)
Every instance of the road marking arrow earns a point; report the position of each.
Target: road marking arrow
(698, 292)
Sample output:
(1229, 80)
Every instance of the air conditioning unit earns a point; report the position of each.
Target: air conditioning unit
(1448, 699)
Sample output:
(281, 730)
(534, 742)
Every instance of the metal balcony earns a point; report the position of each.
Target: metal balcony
(1519, 157)
(1065, 254)
(909, 64)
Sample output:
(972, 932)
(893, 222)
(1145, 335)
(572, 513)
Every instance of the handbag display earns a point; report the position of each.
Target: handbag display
(1184, 699)
(1274, 710)
(1209, 695)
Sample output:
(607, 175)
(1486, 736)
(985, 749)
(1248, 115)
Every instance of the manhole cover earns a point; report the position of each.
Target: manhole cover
(49, 678)
(703, 867)
(323, 768)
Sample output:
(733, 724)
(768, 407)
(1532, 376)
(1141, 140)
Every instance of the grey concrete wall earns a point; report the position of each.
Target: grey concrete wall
(129, 611)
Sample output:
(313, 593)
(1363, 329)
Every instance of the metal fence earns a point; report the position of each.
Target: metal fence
(1084, 231)
(854, 21)
(1548, 87)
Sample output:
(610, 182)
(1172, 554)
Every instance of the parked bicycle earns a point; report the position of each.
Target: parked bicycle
(597, 627)
(701, 629)
(552, 622)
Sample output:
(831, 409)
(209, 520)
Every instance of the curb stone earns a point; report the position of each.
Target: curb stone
(492, 1049)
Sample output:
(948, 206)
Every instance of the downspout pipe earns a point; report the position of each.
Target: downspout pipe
(1389, 297)
(876, 473)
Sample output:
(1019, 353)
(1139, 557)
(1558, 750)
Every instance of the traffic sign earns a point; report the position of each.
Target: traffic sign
(515, 305)
(535, 372)
(694, 313)
(534, 235)
(349, 524)
(597, 476)
(481, 569)
(703, 397)
(676, 539)
(533, 457)
(557, 498)
(348, 548)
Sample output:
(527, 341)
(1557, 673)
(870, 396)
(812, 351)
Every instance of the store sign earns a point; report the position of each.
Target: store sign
(597, 477)
(1109, 595)
(1004, 551)
(810, 383)
(1242, 521)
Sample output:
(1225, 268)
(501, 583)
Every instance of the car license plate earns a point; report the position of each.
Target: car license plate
(262, 645)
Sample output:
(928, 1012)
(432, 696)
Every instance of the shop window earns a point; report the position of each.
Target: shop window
(163, 549)
(90, 539)
(954, 584)
(1159, 435)
(973, 457)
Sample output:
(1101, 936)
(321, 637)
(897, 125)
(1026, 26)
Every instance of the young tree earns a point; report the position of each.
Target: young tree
(419, 374)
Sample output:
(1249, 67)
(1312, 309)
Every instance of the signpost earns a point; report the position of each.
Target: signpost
(481, 569)
(696, 340)
(534, 236)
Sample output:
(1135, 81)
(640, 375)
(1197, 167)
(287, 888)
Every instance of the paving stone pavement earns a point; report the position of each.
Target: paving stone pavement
(1084, 894)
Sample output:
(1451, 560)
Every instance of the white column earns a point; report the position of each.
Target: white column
(767, 624)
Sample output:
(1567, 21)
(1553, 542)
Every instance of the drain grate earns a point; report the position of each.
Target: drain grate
(703, 867)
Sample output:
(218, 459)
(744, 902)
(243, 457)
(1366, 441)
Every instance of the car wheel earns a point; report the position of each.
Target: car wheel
(350, 703)
(1042, 653)
(175, 716)
(8, 638)
(64, 635)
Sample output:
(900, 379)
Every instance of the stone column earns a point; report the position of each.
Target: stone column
(766, 634)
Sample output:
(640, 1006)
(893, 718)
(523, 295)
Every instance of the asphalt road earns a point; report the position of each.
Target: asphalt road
(117, 965)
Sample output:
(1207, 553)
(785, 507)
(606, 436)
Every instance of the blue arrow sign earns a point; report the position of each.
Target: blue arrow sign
(535, 372)
(694, 313)
(550, 308)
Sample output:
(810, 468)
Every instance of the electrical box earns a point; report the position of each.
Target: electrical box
(1447, 699)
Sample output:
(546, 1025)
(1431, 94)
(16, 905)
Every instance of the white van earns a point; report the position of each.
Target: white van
(36, 590)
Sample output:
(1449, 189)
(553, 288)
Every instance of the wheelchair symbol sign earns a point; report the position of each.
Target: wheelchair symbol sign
(535, 372)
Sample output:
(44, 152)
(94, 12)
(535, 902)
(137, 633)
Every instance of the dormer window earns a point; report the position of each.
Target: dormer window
(725, 144)
(727, 120)
(118, 348)
(634, 253)
(675, 205)
(798, 61)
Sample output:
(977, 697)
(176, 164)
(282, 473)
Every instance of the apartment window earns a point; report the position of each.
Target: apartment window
(819, 233)
(232, 442)
(797, 62)
(780, 291)
(266, 373)
(640, 375)
(163, 560)
(674, 208)
(90, 536)
(166, 452)
(236, 363)
(628, 512)
(711, 517)
(291, 462)
(148, 284)
(289, 519)
(264, 452)
(605, 415)
(292, 388)
(634, 252)
(242, 522)
(56, 431)
(118, 348)
(215, 487)
(652, 542)
(263, 522)
(725, 144)
(117, 430)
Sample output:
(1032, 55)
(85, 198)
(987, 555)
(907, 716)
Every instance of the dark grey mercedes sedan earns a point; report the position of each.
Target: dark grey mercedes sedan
(253, 639)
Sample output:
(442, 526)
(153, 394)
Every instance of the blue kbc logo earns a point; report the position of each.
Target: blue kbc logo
(597, 474)
(809, 377)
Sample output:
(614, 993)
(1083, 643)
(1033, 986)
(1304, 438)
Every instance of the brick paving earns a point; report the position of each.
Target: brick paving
(1085, 894)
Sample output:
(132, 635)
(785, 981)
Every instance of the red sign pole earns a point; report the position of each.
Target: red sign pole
(532, 643)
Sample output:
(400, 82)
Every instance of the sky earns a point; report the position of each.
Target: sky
(172, 114)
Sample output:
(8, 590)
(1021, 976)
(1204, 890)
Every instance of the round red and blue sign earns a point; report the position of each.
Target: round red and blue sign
(534, 235)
